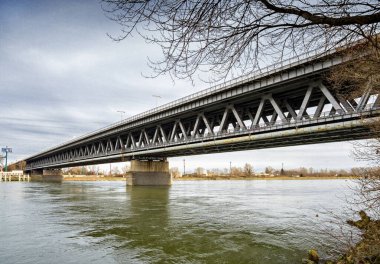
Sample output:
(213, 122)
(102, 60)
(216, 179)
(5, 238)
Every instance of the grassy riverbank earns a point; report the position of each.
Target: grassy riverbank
(91, 178)
(264, 178)
(209, 178)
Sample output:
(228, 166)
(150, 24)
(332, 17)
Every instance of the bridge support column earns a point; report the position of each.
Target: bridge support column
(52, 175)
(35, 175)
(154, 173)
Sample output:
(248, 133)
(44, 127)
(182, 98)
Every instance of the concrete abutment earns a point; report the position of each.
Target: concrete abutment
(47, 175)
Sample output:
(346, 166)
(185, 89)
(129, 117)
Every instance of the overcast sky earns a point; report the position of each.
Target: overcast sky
(61, 76)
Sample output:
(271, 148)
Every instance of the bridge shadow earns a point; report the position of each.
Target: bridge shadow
(149, 210)
(139, 220)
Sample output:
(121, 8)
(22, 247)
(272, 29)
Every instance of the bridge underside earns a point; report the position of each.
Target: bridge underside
(354, 129)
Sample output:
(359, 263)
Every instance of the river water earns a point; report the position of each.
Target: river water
(190, 222)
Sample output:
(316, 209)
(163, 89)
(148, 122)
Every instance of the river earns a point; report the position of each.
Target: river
(255, 221)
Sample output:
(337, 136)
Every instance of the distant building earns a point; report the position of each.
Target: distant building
(201, 172)
(263, 174)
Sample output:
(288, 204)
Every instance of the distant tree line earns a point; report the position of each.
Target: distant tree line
(96, 170)
(19, 165)
(248, 171)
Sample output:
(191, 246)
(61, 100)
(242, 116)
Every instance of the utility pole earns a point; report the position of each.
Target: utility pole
(157, 97)
(184, 167)
(6, 150)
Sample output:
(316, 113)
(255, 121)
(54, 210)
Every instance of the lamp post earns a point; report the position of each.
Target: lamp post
(121, 114)
(6, 150)
(157, 97)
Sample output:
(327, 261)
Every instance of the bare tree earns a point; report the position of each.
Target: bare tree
(175, 172)
(236, 171)
(248, 169)
(360, 75)
(269, 170)
(238, 36)
(125, 169)
(115, 171)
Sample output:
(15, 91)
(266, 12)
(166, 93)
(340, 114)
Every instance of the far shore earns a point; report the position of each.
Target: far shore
(210, 178)
(91, 178)
(267, 178)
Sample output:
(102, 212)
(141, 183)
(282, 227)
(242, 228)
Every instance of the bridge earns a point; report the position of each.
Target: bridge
(287, 104)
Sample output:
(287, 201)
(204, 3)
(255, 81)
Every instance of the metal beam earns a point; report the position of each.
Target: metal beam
(259, 112)
(273, 117)
(331, 98)
(320, 106)
(345, 104)
(290, 110)
(305, 103)
(250, 116)
(133, 141)
(207, 124)
(140, 139)
(363, 101)
(163, 134)
(277, 108)
(183, 130)
(237, 117)
(224, 119)
(155, 136)
(196, 126)
(146, 137)
(172, 135)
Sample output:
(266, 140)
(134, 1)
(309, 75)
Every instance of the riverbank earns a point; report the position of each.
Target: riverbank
(92, 178)
(210, 178)
(266, 178)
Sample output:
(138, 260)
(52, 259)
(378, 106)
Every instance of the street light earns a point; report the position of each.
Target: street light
(157, 97)
(121, 114)
(6, 150)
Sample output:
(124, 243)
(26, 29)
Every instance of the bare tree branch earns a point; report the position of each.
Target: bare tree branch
(224, 37)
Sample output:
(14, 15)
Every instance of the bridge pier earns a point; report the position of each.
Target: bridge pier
(52, 175)
(47, 175)
(148, 172)
(35, 175)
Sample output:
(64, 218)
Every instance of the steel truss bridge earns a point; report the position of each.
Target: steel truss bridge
(289, 104)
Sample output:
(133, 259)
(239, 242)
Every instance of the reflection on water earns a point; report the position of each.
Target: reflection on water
(189, 222)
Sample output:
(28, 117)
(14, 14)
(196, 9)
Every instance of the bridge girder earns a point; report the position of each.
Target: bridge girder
(307, 104)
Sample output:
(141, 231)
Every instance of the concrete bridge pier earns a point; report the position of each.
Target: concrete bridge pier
(35, 175)
(47, 175)
(148, 172)
(52, 175)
